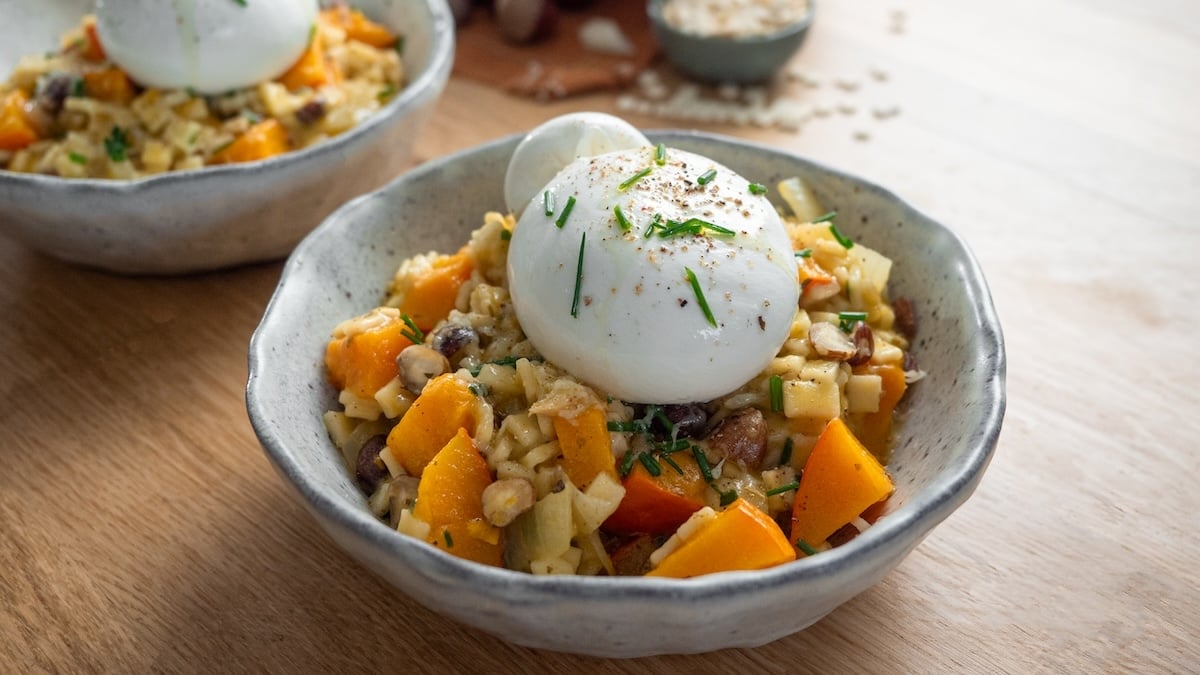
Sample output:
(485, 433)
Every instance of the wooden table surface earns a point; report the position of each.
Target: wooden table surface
(141, 527)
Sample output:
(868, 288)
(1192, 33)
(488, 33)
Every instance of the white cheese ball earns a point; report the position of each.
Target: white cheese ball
(211, 46)
(555, 144)
(639, 332)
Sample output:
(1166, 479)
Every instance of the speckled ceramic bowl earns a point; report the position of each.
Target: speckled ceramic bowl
(727, 59)
(342, 269)
(219, 216)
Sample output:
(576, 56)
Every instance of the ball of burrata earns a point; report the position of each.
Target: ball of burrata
(210, 46)
(656, 283)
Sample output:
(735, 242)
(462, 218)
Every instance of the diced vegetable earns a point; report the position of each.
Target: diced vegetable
(740, 538)
(444, 407)
(365, 362)
(874, 429)
(110, 84)
(92, 49)
(450, 500)
(585, 446)
(265, 139)
(816, 284)
(800, 198)
(434, 293)
(359, 27)
(312, 69)
(841, 479)
(16, 132)
(544, 532)
(659, 504)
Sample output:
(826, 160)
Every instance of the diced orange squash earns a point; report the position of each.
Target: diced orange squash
(16, 132)
(359, 27)
(110, 84)
(815, 283)
(313, 69)
(265, 139)
(841, 479)
(874, 430)
(586, 450)
(659, 504)
(740, 538)
(92, 49)
(363, 363)
(444, 407)
(434, 294)
(450, 500)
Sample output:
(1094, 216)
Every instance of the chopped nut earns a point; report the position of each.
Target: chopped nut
(506, 499)
(418, 364)
(830, 342)
(742, 436)
(864, 344)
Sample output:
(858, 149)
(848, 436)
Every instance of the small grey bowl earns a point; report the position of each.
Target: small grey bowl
(952, 421)
(727, 59)
(188, 221)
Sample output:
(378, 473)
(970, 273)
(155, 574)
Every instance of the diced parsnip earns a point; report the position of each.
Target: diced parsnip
(444, 407)
(542, 533)
(785, 365)
(393, 399)
(740, 538)
(800, 199)
(875, 269)
(811, 399)
(156, 157)
(595, 504)
(381, 500)
(541, 454)
(523, 429)
(862, 393)
(586, 451)
(339, 425)
(511, 469)
(840, 480)
(358, 407)
(567, 563)
(777, 478)
(412, 526)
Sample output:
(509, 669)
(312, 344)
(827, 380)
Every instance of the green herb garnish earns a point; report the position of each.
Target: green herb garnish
(414, 334)
(803, 546)
(794, 485)
(841, 238)
(691, 276)
(627, 463)
(651, 464)
(676, 228)
(445, 533)
(478, 388)
(654, 224)
(671, 446)
(702, 462)
(633, 179)
(728, 497)
(785, 457)
(77, 158)
(117, 145)
(660, 154)
(387, 92)
(846, 320)
(400, 44)
(621, 219)
(804, 253)
(240, 3)
(758, 189)
(671, 463)
(825, 218)
(635, 426)
(707, 177)
(191, 92)
(562, 217)
(548, 203)
(505, 234)
(578, 272)
(776, 393)
(78, 89)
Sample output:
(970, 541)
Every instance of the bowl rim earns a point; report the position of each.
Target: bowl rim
(890, 536)
(654, 8)
(437, 69)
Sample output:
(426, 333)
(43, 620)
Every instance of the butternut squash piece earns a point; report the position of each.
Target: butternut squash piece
(450, 500)
(659, 504)
(110, 84)
(841, 479)
(15, 130)
(444, 407)
(359, 27)
(874, 430)
(313, 69)
(366, 361)
(265, 139)
(816, 284)
(92, 49)
(740, 538)
(435, 293)
(585, 446)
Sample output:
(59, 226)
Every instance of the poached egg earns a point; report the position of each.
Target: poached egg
(210, 46)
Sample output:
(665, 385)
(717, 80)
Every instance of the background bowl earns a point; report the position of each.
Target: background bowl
(219, 216)
(953, 416)
(725, 59)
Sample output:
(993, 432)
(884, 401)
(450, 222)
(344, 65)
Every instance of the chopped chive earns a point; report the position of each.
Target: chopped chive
(651, 464)
(512, 360)
(700, 297)
(633, 179)
(846, 320)
(386, 93)
(562, 217)
(578, 272)
(702, 462)
(191, 92)
(803, 546)
(825, 218)
(707, 177)
(400, 44)
(77, 158)
(548, 203)
(728, 497)
(666, 421)
(671, 446)
(776, 393)
(312, 32)
(635, 426)
(794, 485)
(116, 145)
(841, 238)
(621, 219)
(785, 457)
(222, 146)
(627, 463)
(194, 137)
(660, 154)
(804, 253)
(505, 234)
(657, 222)
(240, 3)
(478, 388)
(448, 538)
(670, 462)
(413, 333)
(693, 226)
(78, 89)
(758, 189)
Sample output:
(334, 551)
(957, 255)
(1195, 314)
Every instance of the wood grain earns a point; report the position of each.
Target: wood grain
(142, 529)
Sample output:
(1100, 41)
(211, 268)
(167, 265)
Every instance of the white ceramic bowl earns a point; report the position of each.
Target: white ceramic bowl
(226, 215)
(342, 268)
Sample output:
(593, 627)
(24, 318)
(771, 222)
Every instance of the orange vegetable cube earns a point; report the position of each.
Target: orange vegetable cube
(265, 139)
(444, 407)
(450, 499)
(359, 27)
(740, 538)
(365, 362)
(585, 446)
(435, 293)
(659, 504)
(92, 49)
(110, 84)
(841, 479)
(313, 69)
(874, 430)
(16, 132)
(816, 284)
